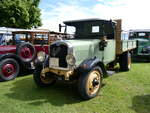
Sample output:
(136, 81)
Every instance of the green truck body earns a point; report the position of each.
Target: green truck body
(143, 43)
(96, 44)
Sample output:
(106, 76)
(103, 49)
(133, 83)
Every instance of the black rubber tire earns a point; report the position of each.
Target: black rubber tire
(82, 84)
(148, 59)
(37, 78)
(26, 44)
(125, 61)
(9, 61)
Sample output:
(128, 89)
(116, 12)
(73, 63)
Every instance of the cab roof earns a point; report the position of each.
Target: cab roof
(32, 31)
(139, 30)
(73, 22)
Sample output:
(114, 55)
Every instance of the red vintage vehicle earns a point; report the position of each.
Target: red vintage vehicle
(19, 52)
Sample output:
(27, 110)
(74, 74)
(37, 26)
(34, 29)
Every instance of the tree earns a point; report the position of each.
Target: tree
(20, 13)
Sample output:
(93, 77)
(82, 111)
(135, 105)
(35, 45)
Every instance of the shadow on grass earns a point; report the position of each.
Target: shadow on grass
(25, 72)
(21, 74)
(140, 60)
(58, 94)
(116, 70)
(141, 104)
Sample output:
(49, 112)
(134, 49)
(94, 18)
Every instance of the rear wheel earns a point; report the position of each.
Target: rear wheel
(148, 59)
(43, 80)
(90, 83)
(9, 69)
(125, 61)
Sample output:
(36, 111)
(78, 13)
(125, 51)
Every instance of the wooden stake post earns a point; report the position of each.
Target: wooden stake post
(118, 30)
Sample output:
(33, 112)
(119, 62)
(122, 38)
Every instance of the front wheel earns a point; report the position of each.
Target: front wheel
(43, 81)
(90, 83)
(9, 69)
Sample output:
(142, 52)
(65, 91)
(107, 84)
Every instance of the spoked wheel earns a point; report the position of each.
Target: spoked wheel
(9, 69)
(43, 80)
(90, 83)
(26, 52)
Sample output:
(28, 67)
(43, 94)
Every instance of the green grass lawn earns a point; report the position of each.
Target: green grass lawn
(124, 92)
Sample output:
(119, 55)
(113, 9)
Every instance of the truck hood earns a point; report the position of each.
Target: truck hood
(76, 43)
(143, 46)
(82, 49)
(4, 49)
(143, 40)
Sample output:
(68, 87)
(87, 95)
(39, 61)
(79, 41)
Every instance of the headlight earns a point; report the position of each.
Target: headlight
(70, 59)
(41, 56)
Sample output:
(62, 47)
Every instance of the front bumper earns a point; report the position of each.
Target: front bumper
(59, 72)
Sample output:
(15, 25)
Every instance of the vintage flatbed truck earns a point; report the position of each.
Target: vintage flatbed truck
(142, 36)
(96, 44)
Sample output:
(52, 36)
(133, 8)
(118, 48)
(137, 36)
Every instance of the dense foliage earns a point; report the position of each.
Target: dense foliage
(20, 13)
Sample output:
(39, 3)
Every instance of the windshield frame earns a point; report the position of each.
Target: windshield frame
(6, 39)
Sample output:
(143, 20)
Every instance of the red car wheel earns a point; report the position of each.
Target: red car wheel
(9, 69)
(26, 52)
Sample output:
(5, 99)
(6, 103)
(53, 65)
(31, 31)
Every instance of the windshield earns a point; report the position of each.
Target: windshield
(6, 39)
(139, 35)
(1, 35)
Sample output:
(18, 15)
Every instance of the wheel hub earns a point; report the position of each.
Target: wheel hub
(8, 70)
(26, 52)
(95, 82)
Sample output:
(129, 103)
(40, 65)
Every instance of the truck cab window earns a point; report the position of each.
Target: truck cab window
(141, 34)
(95, 29)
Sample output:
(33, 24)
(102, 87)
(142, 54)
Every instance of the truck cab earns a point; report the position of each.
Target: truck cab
(96, 30)
(143, 43)
(83, 59)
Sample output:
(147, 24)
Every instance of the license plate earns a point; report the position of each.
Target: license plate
(54, 62)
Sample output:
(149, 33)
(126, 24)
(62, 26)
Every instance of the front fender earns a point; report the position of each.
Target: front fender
(46, 62)
(88, 64)
(9, 55)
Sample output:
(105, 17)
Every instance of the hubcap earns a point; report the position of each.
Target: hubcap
(93, 83)
(8, 70)
(26, 52)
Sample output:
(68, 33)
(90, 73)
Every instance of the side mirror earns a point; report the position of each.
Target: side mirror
(60, 26)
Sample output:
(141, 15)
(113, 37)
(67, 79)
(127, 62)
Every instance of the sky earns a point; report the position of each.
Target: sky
(134, 13)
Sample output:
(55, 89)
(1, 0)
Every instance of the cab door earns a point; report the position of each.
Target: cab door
(109, 52)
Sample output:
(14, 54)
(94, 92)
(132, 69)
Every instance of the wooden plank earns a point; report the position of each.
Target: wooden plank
(118, 30)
